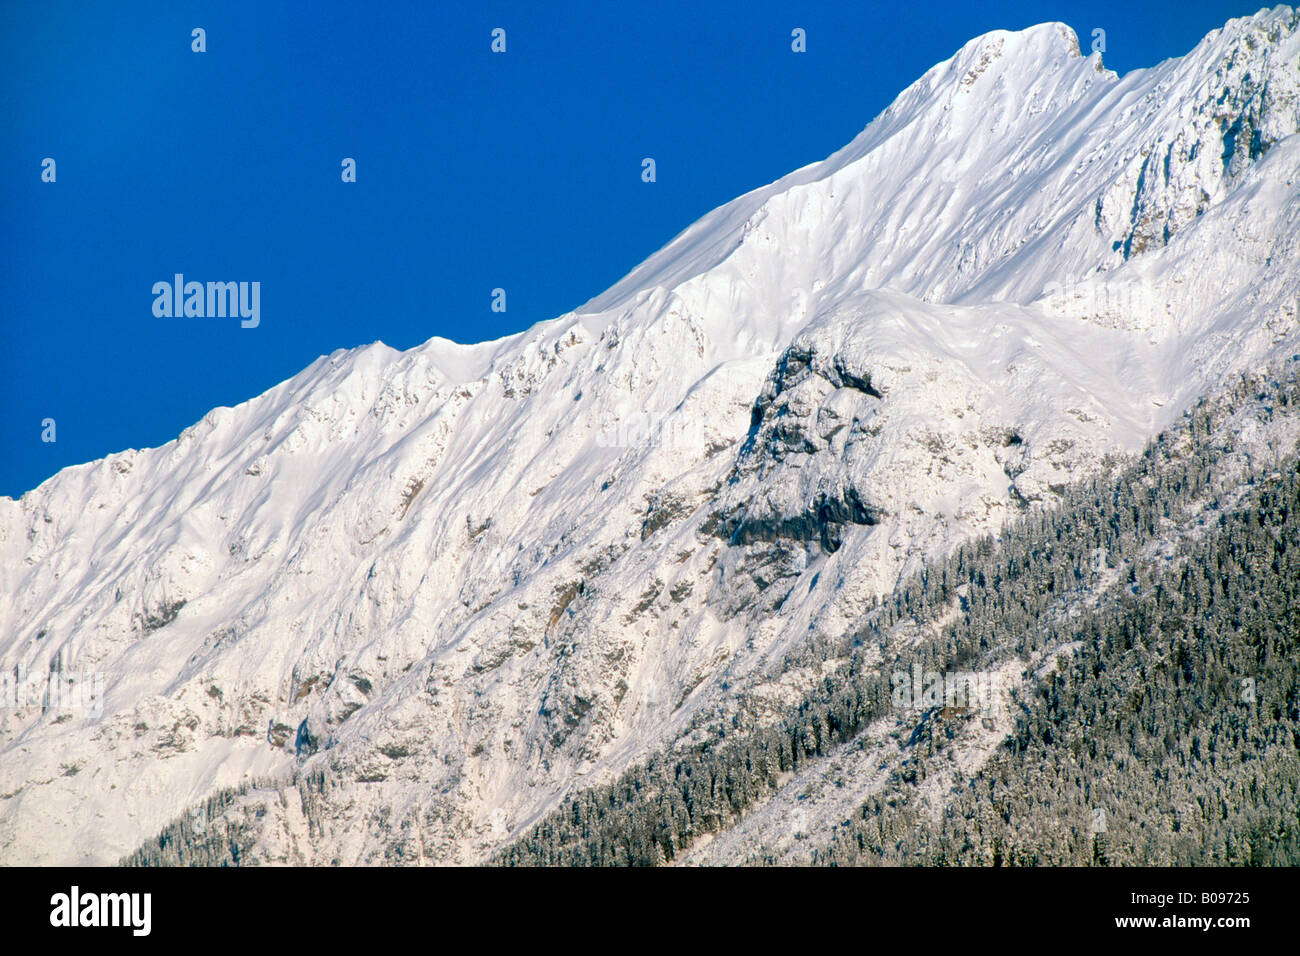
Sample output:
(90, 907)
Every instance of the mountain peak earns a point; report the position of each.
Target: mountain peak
(1041, 43)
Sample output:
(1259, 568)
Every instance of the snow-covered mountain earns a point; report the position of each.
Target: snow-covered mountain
(460, 581)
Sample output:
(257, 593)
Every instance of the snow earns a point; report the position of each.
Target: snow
(443, 554)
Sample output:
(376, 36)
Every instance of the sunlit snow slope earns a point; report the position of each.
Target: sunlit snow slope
(462, 580)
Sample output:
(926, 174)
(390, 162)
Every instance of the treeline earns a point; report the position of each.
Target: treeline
(1145, 716)
(225, 828)
(203, 837)
(1172, 738)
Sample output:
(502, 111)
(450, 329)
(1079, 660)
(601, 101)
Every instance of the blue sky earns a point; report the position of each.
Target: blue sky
(475, 171)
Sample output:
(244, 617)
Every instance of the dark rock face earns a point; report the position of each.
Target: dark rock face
(306, 743)
(790, 498)
(821, 523)
(788, 428)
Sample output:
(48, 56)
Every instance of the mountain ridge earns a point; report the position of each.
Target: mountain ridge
(519, 564)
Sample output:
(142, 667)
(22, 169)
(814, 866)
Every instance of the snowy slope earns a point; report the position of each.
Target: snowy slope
(463, 579)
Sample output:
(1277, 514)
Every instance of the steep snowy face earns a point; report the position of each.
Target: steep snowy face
(1017, 164)
(461, 580)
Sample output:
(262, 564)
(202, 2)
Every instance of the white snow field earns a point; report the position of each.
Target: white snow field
(464, 580)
